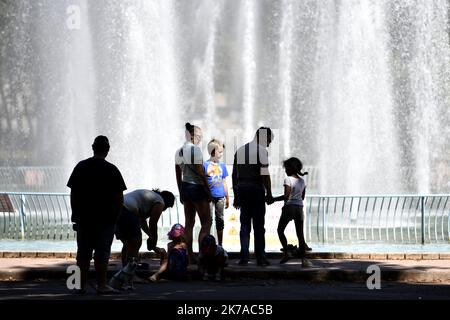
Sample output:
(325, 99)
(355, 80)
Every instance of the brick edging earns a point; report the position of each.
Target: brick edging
(271, 255)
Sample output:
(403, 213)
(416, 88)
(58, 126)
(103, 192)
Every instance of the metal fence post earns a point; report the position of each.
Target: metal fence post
(318, 220)
(422, 209)
(324, 230)
(22, 216)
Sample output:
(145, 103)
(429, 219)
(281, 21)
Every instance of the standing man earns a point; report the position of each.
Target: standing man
(96, 198)
(252, 188)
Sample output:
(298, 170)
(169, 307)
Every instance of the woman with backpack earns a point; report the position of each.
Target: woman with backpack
(175, 262)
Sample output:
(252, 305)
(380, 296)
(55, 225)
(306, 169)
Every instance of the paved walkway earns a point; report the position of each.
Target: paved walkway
(349, 268)
(267, 291)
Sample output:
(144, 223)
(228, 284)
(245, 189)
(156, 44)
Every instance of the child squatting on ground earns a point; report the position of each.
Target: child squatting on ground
(175, 263)
(212, 259)
(294, 194)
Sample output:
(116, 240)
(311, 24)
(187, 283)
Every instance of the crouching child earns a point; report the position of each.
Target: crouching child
(212, 259)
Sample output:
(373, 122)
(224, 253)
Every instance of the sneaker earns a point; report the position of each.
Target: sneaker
(285, 258)
(306, 263)
(263, 262)
(205, 277)
(218, 277)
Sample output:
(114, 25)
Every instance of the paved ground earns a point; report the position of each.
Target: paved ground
(287, 289)
(328, 278)
(350, 270)
(242, 289)
(241, 299)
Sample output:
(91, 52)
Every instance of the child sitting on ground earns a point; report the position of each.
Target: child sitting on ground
(212, 259)
(294, 194)
(175, 262)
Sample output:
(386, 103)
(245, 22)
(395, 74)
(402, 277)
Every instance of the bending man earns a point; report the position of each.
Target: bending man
(140, 205)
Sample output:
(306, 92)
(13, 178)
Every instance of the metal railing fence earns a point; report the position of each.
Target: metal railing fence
(394, 219)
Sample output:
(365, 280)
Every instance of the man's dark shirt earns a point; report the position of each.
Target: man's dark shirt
(94, 185)
(250, 163)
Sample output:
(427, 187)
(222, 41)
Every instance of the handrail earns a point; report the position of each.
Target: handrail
(394, 219)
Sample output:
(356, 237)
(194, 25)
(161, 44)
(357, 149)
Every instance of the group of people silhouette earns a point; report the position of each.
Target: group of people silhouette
(100, 209)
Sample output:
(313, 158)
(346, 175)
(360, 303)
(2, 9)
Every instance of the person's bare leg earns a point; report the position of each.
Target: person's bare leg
(133, 247)
(84, 272)
(157, 275)
(204, 214)
(124, 253)
(189, 215)
(101, 269)
(303, 237)
(133, 252)
(300, 237)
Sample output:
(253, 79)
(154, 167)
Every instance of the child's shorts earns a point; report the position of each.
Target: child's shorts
(292, 212)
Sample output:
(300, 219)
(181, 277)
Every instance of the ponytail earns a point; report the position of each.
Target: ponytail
(190, 128)
(295, 164)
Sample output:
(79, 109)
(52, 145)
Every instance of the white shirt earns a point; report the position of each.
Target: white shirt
(141, 201)
(187, 157)
(297, 186)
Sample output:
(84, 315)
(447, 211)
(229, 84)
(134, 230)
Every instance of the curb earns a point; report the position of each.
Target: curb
(289, 272)
(315, 275)
(235, 255)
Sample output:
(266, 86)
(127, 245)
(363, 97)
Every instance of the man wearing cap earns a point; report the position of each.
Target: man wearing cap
(96, 198)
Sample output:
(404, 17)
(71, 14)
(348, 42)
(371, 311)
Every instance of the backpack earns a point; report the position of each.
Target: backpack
(177, 264)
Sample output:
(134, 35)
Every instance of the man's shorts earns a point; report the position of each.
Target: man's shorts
(128, 226)
(91, 239)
